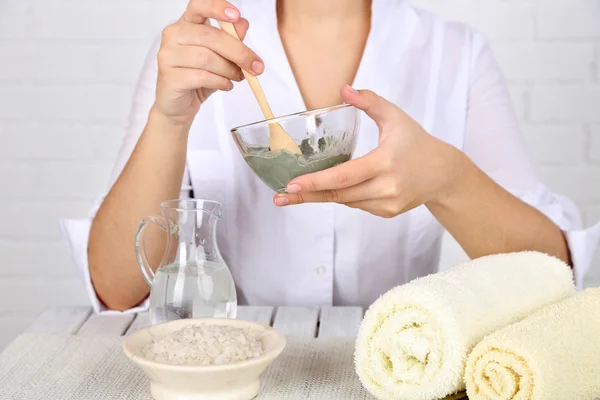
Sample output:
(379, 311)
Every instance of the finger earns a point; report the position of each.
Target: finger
(197, 57)
(345, 175)
(190, 79)
(383, 208)
(375, 106)
(372, 206)
(198, 11)
(218, 41)
(364, 191)
(241, 27)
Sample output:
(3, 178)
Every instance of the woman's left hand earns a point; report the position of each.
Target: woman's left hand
(407, 169)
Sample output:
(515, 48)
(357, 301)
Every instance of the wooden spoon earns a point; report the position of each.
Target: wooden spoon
(279, 139)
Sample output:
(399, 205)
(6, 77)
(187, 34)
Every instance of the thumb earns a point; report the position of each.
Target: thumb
(241, 27)
(376, 107)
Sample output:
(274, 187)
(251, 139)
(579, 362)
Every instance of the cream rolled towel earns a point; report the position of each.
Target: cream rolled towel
(414, 340)
(553, 354)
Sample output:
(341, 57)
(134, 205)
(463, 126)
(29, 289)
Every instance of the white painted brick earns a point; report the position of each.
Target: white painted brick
(77, 19)
(56, 180)
(61, 61)
(578, 183)
(545, 61)
(596, 66)
(594, 151)
(577, 103)
(496, 19)
(591, 214)
(575, 19)
(88, 19)
(108, 102)
(50, 259)
(552, 144)
(34, 220)
(167, 12)
(57, 292)
(31, 140)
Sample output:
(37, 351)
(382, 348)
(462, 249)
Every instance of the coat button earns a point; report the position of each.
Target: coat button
(321, 270)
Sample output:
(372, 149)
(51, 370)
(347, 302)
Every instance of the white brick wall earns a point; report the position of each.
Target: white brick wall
(67, 71)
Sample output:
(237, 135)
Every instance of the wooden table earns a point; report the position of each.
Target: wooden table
(291, 321)
(311, 322)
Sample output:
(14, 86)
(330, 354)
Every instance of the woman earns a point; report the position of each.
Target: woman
(443, 151)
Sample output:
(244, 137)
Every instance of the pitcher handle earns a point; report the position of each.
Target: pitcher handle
(140, 249)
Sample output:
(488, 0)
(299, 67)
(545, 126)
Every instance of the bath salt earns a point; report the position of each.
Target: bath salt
(206, 345)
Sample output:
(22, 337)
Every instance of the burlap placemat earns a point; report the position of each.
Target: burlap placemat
(51, 367)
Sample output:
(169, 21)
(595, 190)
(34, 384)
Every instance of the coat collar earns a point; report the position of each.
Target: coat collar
(392, 27)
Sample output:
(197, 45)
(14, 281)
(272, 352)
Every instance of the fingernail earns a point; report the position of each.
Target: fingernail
(293, 188)
(257, 67)
(242, 77)
(232, 14)
(350, 88)
(230, 86)
(281, 201)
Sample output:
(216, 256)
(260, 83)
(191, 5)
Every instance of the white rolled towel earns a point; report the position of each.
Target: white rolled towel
(414, 340)
(554, 354)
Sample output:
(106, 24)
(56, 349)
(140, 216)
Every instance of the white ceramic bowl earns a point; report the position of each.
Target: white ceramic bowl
(238, 381)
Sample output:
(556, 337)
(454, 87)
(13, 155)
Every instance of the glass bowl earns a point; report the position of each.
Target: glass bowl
(326, 136)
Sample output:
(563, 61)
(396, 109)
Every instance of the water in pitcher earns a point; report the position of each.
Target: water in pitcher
(201, 289)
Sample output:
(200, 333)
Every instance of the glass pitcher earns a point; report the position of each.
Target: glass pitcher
(192, 280)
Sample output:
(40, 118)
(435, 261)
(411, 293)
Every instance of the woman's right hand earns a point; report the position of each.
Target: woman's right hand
(196, 59)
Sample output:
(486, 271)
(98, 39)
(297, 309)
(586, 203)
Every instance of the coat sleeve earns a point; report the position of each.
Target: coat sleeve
(76, 231)
(494, 142)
